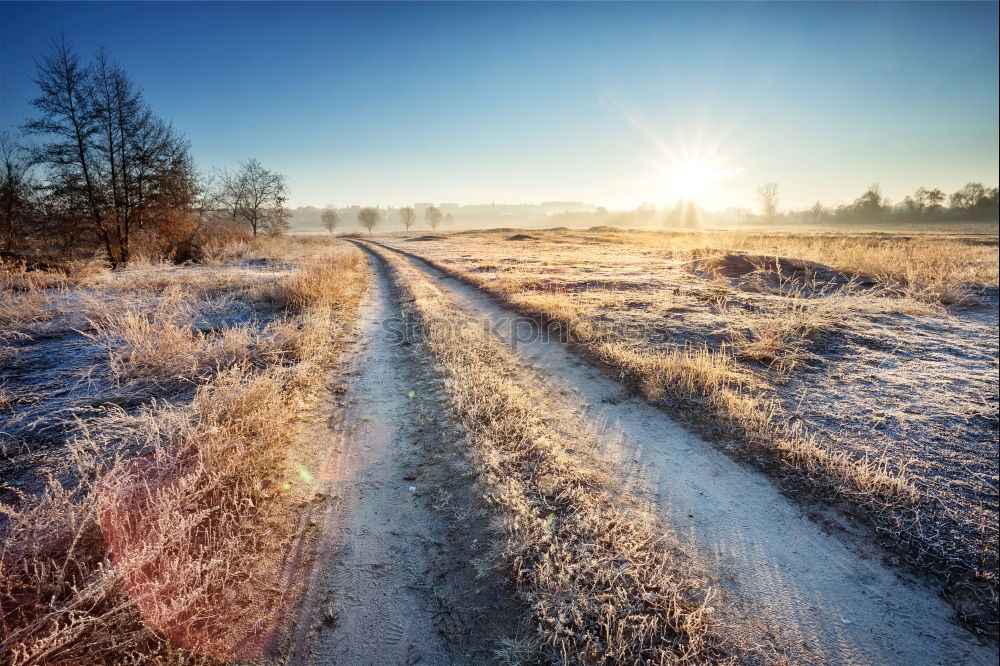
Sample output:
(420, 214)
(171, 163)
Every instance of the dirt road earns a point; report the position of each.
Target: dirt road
(785, 576)
(393, 584)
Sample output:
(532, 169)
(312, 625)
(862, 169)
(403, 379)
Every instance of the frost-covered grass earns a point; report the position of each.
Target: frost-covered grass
(152, 519)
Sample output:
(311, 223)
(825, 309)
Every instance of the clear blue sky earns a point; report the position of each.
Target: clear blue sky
(613, 104)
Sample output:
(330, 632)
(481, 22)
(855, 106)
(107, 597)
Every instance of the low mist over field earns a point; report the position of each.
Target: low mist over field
(591, 333)
(922, 210)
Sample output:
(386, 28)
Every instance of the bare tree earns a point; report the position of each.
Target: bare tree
(257, 196)
(17, 191)
(67, 117)
(934, 197)
(369, 217)
(967, 197)
(228, 197)
(871, 203)
(146, 173)
(108, 154)
(433, 216)
(816, 211)
(407, 216)
(767, 196)
(330, 219)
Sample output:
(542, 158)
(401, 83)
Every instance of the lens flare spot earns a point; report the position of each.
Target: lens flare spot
(304, 474)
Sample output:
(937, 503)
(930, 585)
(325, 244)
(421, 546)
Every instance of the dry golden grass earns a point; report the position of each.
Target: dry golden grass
(13, 280)
(606, 584)
(310, 288)
(18, 309)
(154, 279)
(711, 380)
(25, 298)
(28, 298)
(163, 344)
(923, 264)
(156, 544)
(782, 338)
(556, 305)
(69, 273)
(169, 547)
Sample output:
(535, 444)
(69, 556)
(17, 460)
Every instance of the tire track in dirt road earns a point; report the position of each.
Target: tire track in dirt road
(392, 585)
(783, 574)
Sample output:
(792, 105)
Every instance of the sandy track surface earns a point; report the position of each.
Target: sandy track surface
(788, 580)
(388, 588)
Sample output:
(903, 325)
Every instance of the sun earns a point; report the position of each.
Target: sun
(690, 179)
(696, 180)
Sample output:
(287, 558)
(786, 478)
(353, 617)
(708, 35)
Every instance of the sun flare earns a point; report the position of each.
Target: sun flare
(690, 179)
(697, 180)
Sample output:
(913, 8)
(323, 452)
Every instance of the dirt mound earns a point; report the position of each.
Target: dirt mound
(493, 230)
(426, 238)
(522, 237)
(772, 274)
(740, 265)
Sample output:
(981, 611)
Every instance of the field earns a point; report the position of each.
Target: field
(547, 446)
(860, 368)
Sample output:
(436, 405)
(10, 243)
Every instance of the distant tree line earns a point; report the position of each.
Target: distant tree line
(972, 203)
(97, 170)
(369, 217)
